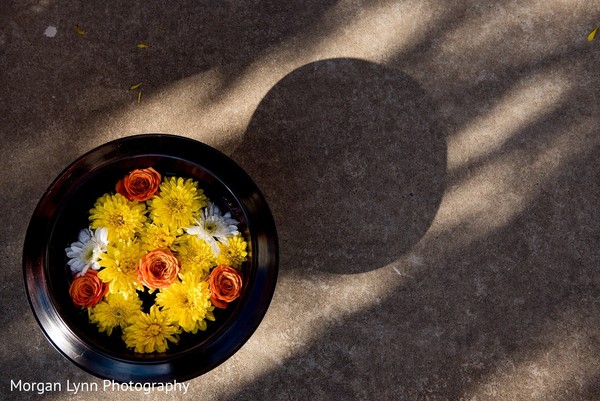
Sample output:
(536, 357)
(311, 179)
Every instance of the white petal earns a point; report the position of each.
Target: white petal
(84, 235)
(213, 246)
(101, 236)
(193, 230)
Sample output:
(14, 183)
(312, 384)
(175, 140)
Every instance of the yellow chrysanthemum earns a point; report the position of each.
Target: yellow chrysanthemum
(120, 264)
(158, 236)
(122, 218)
(177, 203)
(195, 256)
(114, 311)
(149, 332)
(233, 253)
(187, 303)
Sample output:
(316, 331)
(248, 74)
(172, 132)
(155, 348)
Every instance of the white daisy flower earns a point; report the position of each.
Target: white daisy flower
(86, 251)
(213, 227)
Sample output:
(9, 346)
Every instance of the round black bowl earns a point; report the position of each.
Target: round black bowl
(63, 212)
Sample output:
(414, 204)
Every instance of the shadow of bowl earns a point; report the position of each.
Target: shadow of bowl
(352, 161)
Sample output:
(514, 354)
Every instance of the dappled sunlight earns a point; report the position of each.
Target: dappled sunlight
(336, 299)
(175, 109)
(494, 194)
(509, 34)
(183, 107)
(565, 365)
(508, 87)
(490, 182)
(498, 166)
(41, 6)
(215, 108)
(208, 108)
(530, 99)
(378, 32)
(492, 179)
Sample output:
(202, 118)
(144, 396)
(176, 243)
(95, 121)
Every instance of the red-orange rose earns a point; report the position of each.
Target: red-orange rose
(158, 269)
(87, 290)
(139, 185)
(225, 285)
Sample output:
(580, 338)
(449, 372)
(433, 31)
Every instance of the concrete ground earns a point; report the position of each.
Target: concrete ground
(432, 166)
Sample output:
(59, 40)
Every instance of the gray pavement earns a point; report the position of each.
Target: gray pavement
(432, 166)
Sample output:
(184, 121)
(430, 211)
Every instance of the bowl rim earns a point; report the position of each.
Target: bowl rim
(179, 366)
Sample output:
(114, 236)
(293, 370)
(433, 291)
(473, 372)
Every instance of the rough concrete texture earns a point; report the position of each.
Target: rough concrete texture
(433, 169)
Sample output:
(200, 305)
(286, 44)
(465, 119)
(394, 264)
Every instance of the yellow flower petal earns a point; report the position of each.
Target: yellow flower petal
(123, 218)
(80, 30)
(186, 303)
(592, 34)
(142, 46)
(178, 202)
(134, 87)
(114, 311)
(150, 332)
(120, 267)
(195, 255)
(234, 253)
(155, 236)
(139, 97)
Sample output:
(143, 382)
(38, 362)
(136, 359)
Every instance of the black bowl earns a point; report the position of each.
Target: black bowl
(62, 213)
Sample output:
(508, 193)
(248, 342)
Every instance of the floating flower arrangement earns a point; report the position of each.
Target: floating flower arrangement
(159, 239)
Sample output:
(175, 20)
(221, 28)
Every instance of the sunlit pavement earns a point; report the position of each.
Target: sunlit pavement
(432, 166)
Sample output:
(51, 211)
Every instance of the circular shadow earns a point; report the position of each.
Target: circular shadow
(351, 159)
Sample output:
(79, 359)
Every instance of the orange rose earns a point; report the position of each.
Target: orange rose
(139, 185)
(158, 269)
(87, 290)
(225, 285)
